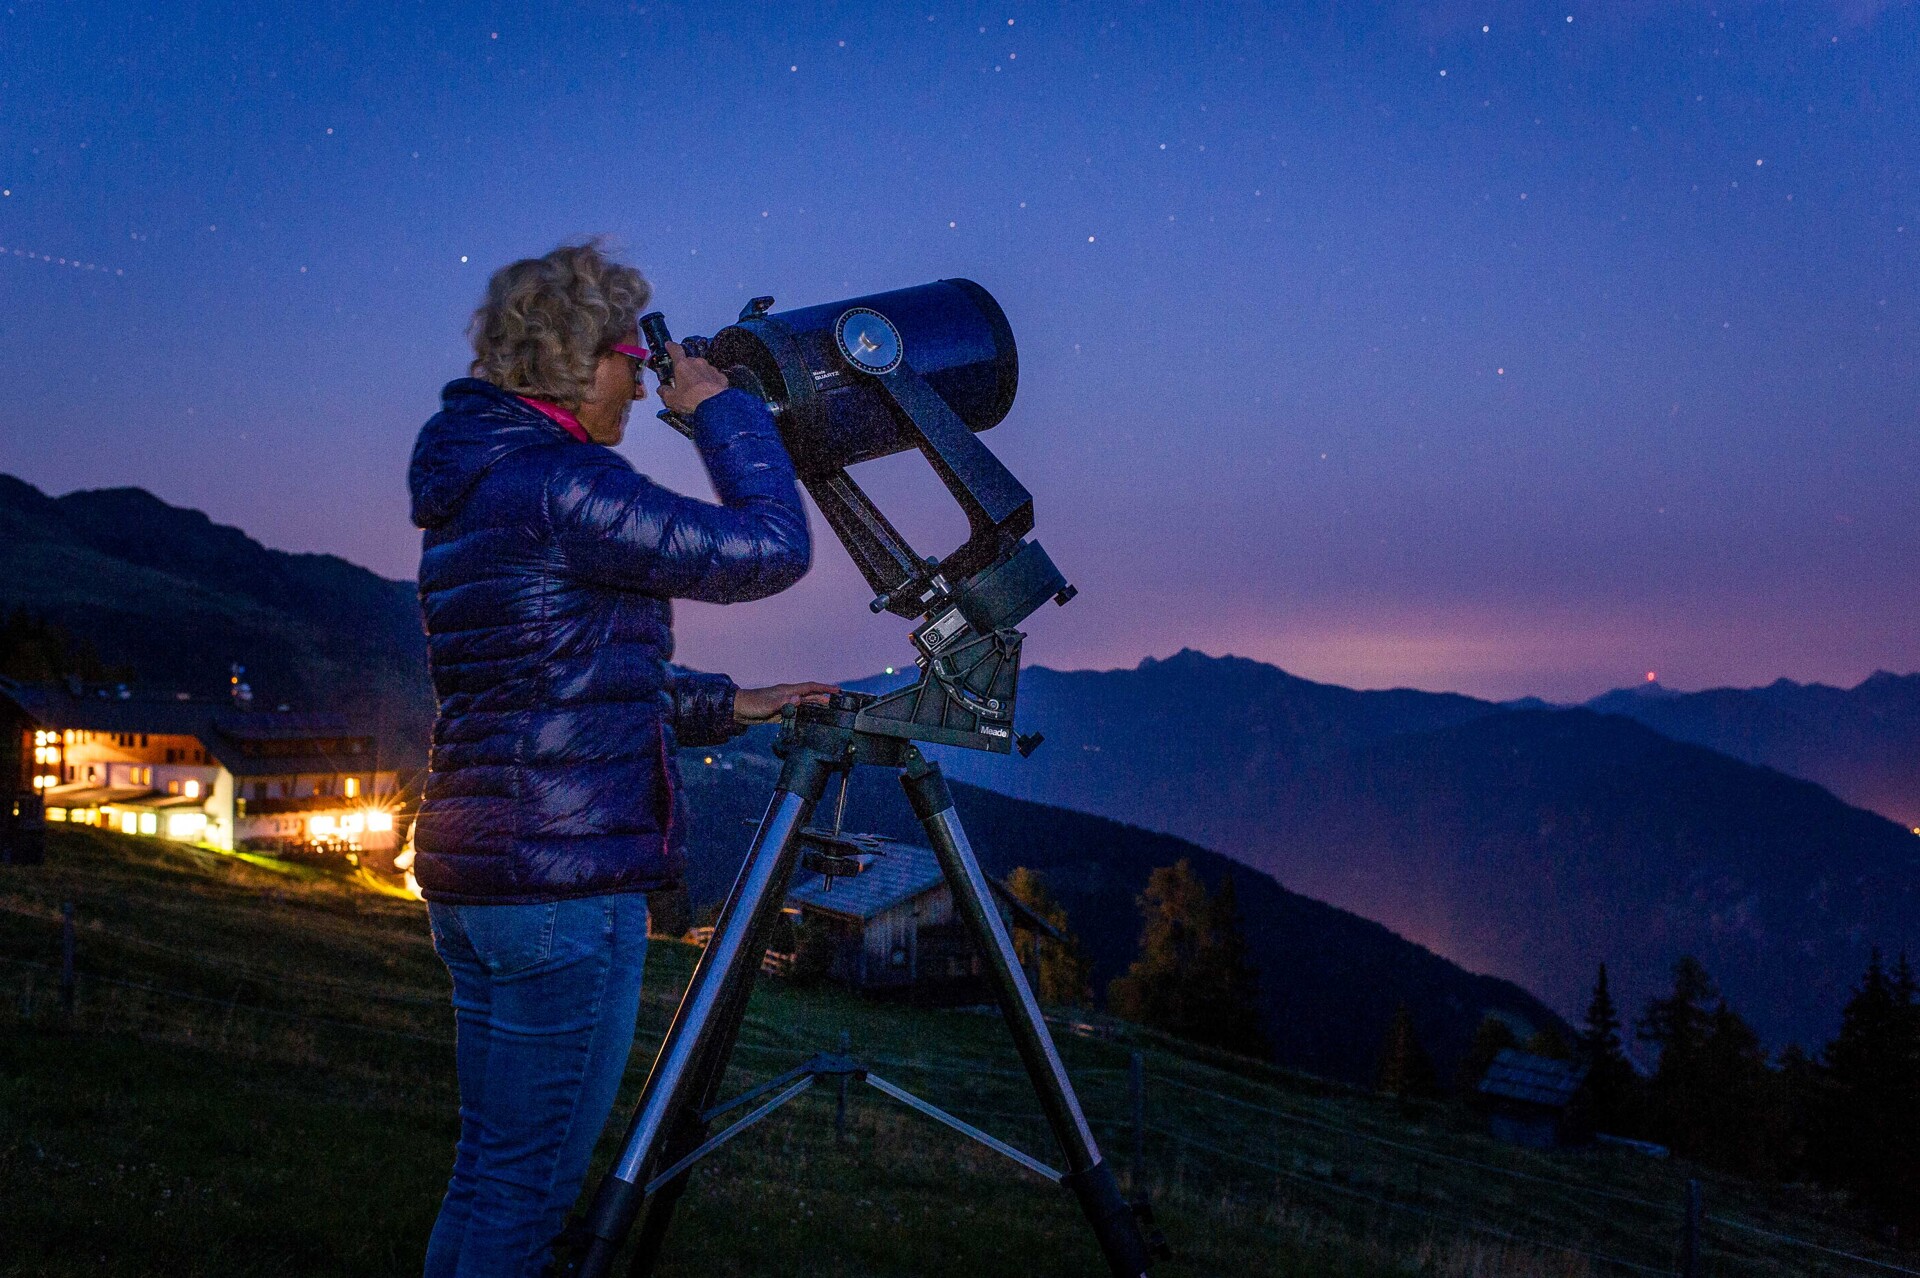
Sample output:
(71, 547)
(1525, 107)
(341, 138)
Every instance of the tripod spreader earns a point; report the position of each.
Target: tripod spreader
(669, 1130)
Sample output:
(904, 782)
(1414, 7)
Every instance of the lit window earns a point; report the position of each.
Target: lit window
(320, 826)
(186, 826)
(149, 823)
(380, 822)
(191, 789)
(129, 823)
(352, 823)
(56, 814)
(353, 787)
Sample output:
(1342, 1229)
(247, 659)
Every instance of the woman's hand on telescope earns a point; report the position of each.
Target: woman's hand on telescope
(763, 705)
(694, 382)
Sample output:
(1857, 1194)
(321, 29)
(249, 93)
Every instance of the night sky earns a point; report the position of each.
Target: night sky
(1495, 347)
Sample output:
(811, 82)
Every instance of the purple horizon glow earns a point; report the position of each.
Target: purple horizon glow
(1450, 346)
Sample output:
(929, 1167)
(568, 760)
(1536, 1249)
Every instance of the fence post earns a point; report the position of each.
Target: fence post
(840, 1105)
(66, 957)
(1137, 1094)
(1690, 1235)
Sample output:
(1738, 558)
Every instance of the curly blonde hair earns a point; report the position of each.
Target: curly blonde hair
(547, 321)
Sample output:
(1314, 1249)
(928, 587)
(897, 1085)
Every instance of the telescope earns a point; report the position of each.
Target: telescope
(926, 367)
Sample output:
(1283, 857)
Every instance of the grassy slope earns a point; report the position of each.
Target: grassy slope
(297, 1118)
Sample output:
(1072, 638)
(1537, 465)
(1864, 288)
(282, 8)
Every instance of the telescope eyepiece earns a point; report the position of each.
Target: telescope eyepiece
(653, 330)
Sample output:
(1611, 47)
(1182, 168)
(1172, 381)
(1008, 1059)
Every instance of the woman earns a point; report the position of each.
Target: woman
(552, 803)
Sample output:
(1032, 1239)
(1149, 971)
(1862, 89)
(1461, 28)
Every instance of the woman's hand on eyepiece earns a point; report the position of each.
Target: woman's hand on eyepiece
(763, 705)
(694, 382)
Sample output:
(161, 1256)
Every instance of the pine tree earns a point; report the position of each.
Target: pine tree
(1550, 1043)
(1227, 1010)
(1712, 1096)
(1157, 987)
(1060, 970)
(1490, 1038)
(1611, 1081)
(1192, 976)
(1677, 1026)
(1866, 1122)
(1405, 1068)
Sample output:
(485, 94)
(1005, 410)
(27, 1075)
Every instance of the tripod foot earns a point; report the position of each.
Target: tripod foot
(1115, 1225)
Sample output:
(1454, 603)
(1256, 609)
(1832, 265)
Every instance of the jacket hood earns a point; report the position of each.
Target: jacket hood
(477, 426)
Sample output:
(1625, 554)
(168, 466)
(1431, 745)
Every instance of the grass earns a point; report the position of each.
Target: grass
(257, 1079)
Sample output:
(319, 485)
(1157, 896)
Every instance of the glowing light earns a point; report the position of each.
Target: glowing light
(186, 827)
(352, 790)
(60, 814)
(1651, 676)
(379, 822)
(321, 825)
(708, 760)
(352, 823)
(149, 823)
(129, 823)
(191, 789)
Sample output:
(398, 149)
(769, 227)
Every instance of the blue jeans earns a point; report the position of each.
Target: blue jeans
(545, 998)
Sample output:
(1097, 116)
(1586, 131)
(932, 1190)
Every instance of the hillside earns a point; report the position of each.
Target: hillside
(257, 1079)
(178, 598)
(1862, 743)
(1330, 980)
(1530, 844)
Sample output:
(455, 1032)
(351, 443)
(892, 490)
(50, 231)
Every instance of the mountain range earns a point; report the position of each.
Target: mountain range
(1862, 743)
(180, 599)
(1532, 843)
(1527, 841)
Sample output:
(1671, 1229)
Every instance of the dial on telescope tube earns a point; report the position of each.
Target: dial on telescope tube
(924, 367)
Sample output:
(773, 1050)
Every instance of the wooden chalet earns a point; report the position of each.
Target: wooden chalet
(891, 928)
(1529, 1099)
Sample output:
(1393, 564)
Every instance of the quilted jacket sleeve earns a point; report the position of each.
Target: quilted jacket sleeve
(620, 529)
(702, 707)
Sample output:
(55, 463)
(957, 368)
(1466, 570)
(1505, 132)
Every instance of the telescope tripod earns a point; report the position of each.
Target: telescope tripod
(680, 1099)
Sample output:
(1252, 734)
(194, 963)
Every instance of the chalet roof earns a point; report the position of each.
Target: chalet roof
(904, 872)
(237, 739)
(1534, 1080)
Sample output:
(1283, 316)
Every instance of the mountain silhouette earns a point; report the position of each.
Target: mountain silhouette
(179, 599)
(1529, 843)
(1862, 743)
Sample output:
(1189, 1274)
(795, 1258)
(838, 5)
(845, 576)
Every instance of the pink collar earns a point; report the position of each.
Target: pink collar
(558, 416)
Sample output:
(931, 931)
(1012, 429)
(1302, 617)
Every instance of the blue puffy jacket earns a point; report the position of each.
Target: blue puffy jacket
(545, 576)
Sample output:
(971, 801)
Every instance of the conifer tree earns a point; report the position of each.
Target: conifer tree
(1156, 988)
(1488, 1041)
(1712, 1096)
(1227, 1011)
(1866, 1124)
(1192, 976)
(1611, 1081)
(1405, 1068)
(1060, 970)
(1549, 1042)
(1490, 1038)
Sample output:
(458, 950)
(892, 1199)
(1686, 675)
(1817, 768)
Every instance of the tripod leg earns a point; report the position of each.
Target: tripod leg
(1091, 1179)
(687, 1134)
(704, 1027)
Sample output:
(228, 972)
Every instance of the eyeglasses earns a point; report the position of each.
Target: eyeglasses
(639, 355)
